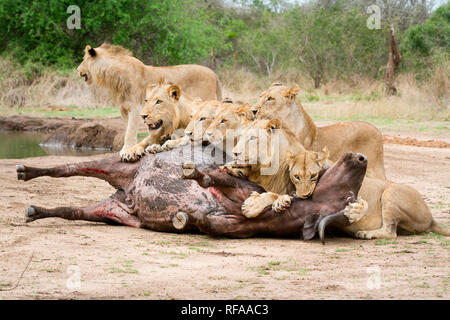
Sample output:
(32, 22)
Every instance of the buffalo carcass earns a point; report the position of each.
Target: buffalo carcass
(158, 194)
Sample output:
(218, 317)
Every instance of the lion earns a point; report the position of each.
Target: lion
(260, 156)
(166, 109)
(200, 118)
(356, 136)
(126, 78)
(390, 205)
(226, 124)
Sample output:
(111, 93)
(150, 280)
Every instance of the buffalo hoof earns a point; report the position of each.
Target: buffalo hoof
(180, 220)
(188, 170)
(31, 214)
(21, 169)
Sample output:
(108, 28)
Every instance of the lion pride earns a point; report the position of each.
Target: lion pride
(126, 78)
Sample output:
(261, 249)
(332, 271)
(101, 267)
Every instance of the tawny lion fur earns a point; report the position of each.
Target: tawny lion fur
(352, 136)
(390, 205)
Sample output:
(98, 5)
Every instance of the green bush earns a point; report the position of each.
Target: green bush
(157, 31)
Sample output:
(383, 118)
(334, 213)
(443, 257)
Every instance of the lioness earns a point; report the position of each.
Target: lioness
(200, 118)
(262, 155)
(227, 120)
(264, 146)
(126, 78)
(166, 109)
(390, 205)
(356, 136)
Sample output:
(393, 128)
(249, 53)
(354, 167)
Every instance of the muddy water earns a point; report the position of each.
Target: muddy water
(18, 145)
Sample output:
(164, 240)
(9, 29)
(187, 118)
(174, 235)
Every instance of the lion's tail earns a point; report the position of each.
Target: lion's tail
(436, 229)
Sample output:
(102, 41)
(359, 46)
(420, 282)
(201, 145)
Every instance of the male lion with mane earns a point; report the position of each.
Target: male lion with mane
(126, 78)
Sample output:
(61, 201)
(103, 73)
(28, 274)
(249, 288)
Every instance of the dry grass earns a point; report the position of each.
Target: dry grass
(24, 88)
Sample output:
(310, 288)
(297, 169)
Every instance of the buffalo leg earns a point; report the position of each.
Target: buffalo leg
(113, 171)
(110, 210)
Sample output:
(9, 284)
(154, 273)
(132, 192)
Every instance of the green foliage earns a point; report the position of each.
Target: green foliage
(159, 31)
(322, 39)
(426, 46)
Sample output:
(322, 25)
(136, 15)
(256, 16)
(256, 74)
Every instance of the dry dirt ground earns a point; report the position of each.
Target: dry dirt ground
(124, 263)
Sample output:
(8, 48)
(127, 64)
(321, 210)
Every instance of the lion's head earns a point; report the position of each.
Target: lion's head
(201, 118)
(259, 141)
(160, 111)
(305, 168)
(273, 99)
(228, 118)
(114, 68)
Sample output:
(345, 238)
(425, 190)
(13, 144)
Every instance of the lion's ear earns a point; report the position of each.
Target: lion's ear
(323, 155)
(90, 50)
(276, 84)
(292, 92)
(273, 124)
(174, 92)
(290, 159)
(242, 111)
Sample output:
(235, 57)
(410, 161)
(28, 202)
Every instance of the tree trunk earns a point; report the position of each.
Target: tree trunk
(392, 65)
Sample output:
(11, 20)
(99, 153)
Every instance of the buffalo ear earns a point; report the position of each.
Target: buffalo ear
(310, 226)
(273, 124)
(90, 50)
(174, 92)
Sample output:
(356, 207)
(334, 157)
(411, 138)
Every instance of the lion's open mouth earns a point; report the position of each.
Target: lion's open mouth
(155, 125)
(85, 76)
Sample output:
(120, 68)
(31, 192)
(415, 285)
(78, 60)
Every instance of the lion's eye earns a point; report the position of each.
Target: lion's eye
(202, 119)
(146, 100)
(158, 101)
(297, 177)
(223, 121)
(269, 99)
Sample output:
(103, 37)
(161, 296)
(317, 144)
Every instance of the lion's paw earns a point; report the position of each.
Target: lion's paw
(282, 203)
(253, 206)
(355, 211)
(363, 235)
(154, 148)
(132, 154)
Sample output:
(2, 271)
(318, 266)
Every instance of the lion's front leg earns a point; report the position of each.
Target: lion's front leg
(257, 202)
(131, 151)
(241, 172)
(282, 203)
(168, 145)
(355, 211)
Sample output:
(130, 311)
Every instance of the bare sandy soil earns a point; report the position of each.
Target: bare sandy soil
(125, 263)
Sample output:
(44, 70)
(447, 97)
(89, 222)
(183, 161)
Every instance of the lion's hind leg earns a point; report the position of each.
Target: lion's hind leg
(391, 214)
